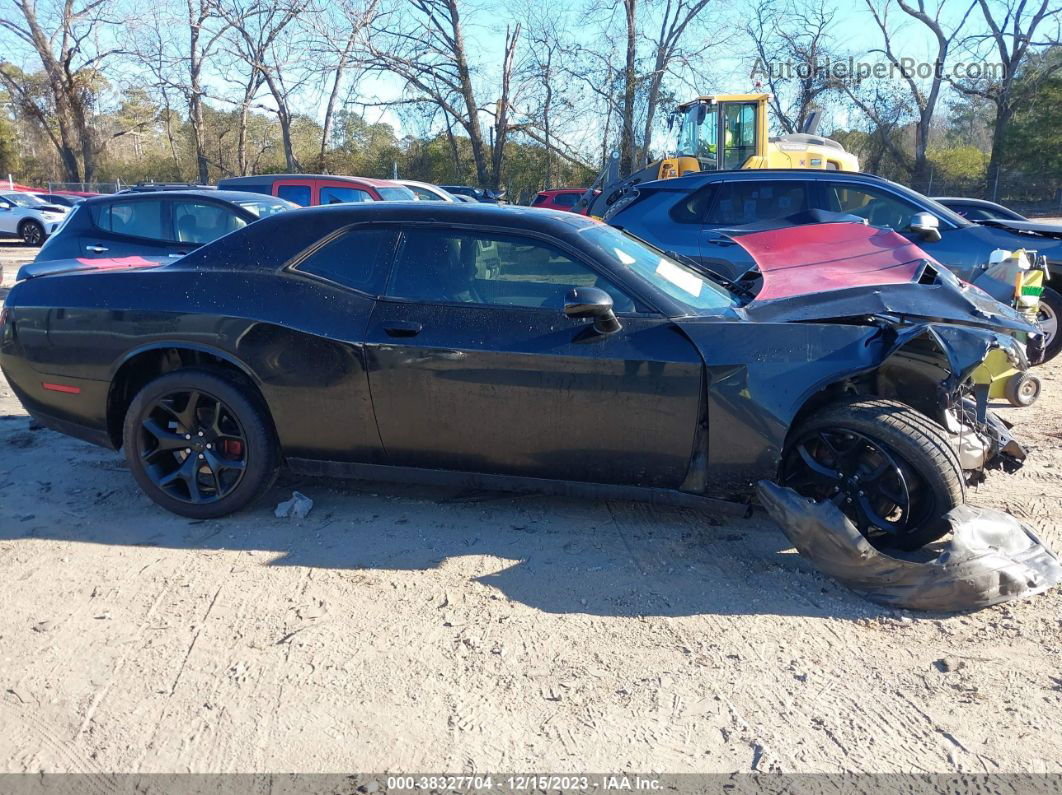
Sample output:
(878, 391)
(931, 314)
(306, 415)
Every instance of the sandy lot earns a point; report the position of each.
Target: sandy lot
(400, 629)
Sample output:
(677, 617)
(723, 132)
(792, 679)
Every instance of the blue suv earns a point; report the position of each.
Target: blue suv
(690, 216)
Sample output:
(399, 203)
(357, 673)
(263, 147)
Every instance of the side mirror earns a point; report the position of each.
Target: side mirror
(594, 303)
(927, 225)
(4, 205)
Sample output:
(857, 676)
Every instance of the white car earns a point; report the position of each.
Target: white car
(426, 192)
(26, 216)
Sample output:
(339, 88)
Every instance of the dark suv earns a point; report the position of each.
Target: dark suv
(690, 216)
(155, 223)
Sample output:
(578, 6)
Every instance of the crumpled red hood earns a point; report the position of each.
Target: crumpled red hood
(816, 258)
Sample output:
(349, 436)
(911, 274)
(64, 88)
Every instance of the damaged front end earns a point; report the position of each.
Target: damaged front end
(946, 372)
(989, 558)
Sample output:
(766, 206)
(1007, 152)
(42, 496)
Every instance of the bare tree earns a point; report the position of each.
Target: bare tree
(650, 39)
(65, 38)
(423, 43)
(336, 34)
(1015, 28)
(174, 44)
(260, 32)
(796, 37)
(924, 91)
(668, 49)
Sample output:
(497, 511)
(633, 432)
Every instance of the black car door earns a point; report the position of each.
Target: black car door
(473, 366)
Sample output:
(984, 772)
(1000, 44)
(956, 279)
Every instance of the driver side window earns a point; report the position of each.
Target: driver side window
(451, 266)
(879, 207)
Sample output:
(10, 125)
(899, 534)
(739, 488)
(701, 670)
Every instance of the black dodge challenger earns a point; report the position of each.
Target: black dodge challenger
(506, 348)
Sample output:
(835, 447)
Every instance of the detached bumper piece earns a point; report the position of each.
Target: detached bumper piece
(990, 558)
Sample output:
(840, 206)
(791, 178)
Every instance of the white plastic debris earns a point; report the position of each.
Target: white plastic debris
(298, 507)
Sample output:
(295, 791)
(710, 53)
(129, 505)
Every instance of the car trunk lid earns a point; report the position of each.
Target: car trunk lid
(36, 270)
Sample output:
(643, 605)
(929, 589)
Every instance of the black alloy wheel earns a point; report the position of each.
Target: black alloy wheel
(889, 469)
(193, 447)
(200, 443)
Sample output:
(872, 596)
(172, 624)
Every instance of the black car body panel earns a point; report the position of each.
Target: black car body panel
(696, 403)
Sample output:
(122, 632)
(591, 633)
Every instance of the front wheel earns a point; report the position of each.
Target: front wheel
(32, 233)
(200, 444)
(891, 470)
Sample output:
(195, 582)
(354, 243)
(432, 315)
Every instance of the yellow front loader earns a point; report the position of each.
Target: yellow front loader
(725, 131)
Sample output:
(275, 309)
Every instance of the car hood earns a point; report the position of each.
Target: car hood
(845, 270)
(812, 258)
(1025, 227)
(1011, 235)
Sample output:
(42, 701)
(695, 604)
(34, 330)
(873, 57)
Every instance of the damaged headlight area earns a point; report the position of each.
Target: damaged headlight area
(950, 373)
(989, 558)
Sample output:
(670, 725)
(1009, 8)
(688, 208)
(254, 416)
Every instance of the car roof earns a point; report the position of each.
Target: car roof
(372, 181)
(514, 217)
(688, 181)
(233, 196)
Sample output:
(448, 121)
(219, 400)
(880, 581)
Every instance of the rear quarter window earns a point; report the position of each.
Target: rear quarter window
(693, 207)
(269, 243)
(357, 258)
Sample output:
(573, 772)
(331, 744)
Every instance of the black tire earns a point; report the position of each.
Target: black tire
(32, 233)
(1051, 310)
(249, 472)
(926, 468)
(1022, 389)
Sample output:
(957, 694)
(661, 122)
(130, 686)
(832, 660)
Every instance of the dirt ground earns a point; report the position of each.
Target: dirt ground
(410, 629)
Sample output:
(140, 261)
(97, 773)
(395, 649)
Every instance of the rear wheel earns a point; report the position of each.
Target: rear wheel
(891, 470)
(32, 233)
(199, 444)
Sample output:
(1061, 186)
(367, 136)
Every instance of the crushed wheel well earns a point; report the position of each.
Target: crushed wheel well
(143, 368)
(913, 374)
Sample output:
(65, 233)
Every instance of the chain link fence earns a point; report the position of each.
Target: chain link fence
(1029, 194)
(86, 187)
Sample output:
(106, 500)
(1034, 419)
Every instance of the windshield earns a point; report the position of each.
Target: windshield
(264, 208)
(698, 132)
(24, 199)
(396, 194)
(679, 282)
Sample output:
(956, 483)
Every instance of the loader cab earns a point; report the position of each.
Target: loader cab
(725, 131)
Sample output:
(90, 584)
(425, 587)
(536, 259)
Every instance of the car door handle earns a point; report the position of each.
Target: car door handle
(721, 241)
(96, 249)
(402, 328)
